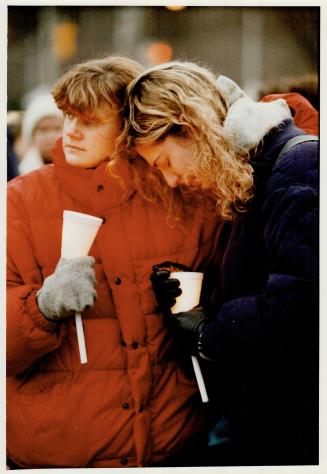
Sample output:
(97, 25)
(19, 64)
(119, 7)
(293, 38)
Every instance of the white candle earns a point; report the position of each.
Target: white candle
(190, 284)
(78, 234)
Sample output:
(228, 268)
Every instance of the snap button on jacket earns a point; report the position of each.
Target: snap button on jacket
(131, 401)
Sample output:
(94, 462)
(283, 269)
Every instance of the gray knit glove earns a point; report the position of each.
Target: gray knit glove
(70, 289)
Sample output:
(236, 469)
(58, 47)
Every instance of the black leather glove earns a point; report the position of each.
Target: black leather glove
(186, 329)
(166, 289)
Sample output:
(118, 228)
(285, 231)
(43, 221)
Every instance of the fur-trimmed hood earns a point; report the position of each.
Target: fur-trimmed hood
(248, 121)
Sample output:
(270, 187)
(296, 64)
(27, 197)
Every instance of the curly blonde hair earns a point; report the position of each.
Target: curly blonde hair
(182, 99)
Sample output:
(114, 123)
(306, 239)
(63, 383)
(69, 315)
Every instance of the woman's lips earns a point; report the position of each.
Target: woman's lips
(74, 148)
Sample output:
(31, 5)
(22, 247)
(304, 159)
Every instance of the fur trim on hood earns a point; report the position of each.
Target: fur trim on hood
(247, 121)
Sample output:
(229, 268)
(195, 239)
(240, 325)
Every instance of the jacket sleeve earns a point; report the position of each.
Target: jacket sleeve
(29, 334)
(288, 306)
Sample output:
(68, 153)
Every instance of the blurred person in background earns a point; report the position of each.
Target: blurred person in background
(263, 336)
(131, 404)
(14, 123)
(41, 127)
(12, 161)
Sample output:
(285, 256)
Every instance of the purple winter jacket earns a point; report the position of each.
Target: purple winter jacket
(265, 336)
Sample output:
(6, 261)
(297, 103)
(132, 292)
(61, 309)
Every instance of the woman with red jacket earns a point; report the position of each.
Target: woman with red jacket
(131, 404)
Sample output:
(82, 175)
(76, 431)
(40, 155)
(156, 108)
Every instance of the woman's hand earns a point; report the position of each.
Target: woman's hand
(186, 329)
(70, 289)
(166, 289)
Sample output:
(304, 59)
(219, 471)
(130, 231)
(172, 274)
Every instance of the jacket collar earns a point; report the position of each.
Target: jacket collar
(93, 189)
(247, 122)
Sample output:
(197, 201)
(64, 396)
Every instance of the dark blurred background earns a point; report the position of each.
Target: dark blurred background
(249, 44)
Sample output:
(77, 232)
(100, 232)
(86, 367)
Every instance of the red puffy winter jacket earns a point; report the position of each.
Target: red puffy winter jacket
(131, 404)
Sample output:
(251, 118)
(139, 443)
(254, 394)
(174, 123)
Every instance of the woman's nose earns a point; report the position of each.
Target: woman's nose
(171, 178)
(73, 129)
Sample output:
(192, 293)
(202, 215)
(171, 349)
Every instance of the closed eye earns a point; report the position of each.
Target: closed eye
(162, 163)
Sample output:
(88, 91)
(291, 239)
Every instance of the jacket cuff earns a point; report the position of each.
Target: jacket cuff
(209, 343)
(38, 317)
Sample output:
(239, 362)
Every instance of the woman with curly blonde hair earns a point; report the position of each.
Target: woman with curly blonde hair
(181, 112)
(207, 136)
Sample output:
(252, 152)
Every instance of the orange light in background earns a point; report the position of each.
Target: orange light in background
(158, 53)
(175, 8)
(64, 41)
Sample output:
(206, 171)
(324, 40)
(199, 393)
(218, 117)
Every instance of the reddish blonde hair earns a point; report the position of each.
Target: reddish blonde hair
(95, 83)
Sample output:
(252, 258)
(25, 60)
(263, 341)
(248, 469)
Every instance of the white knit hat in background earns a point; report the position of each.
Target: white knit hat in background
(41, 106)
